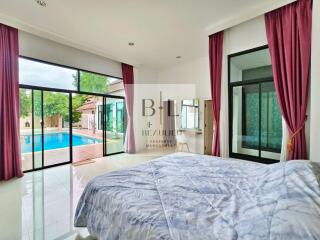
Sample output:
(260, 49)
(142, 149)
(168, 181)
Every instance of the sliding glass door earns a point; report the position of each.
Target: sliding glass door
(44, 124)
(255, 118)
(87, 131)
(56, 128)
(62, 127)
(114, 125)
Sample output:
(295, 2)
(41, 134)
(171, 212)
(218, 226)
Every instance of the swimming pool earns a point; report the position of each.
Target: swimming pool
(54, 141)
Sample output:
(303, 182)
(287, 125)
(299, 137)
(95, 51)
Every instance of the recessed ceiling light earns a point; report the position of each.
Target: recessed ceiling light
(42, 3)
(178, 57)
(131, 44)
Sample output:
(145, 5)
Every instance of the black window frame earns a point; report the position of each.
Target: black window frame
(232, 85)
(70, 92)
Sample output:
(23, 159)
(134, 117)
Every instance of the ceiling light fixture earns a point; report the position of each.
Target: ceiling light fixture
(131, 44)
(42, 3)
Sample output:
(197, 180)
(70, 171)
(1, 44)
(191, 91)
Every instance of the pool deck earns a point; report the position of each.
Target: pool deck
(87, 133)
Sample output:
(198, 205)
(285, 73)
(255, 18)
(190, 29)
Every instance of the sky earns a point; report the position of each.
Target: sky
(45, 75)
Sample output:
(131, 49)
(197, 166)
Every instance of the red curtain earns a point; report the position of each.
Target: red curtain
(215, 58)
(10, 165)
(289, 37)
(128, 80)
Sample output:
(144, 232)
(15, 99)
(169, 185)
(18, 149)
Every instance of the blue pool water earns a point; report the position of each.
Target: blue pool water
(54, 141)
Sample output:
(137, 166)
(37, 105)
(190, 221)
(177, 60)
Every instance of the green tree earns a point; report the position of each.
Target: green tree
(54, 104)
(25, 103)
(91, 82)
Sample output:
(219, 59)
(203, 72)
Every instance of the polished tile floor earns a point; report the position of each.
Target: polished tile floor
(41, 205)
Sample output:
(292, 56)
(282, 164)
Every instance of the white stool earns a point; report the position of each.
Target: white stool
(181, 141)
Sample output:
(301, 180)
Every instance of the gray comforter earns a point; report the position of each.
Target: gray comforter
(202, 197)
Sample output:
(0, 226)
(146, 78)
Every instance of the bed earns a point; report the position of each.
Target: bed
(202, 197)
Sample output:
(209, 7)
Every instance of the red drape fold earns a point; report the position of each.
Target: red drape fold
(128, 80)
(10, 165)
(289, 38)
(215, 59)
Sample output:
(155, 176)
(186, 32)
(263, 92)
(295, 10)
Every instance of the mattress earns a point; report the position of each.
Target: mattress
(203, 197)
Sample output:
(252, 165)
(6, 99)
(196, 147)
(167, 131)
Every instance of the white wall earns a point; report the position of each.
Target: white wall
(315, 85)
(142, 75)
(46, 50)
(197, 71)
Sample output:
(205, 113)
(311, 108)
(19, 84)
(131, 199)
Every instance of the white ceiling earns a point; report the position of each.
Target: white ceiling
(160, 29)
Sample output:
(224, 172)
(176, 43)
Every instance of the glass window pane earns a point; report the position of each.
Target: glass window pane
(86, 135)
(26, 128)
(40, 74)
(250, 66)
(271, 123)
(245, 135)
(56, 128)
(187, 102)
(196, 118)
(96, 83)
(37, 100)
(264, 72)
(115, 128)
(184, 117)
(250, 106)
(190, 117)
(190, 114)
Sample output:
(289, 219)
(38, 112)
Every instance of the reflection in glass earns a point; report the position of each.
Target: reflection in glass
(48, 205)
(251, 65)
